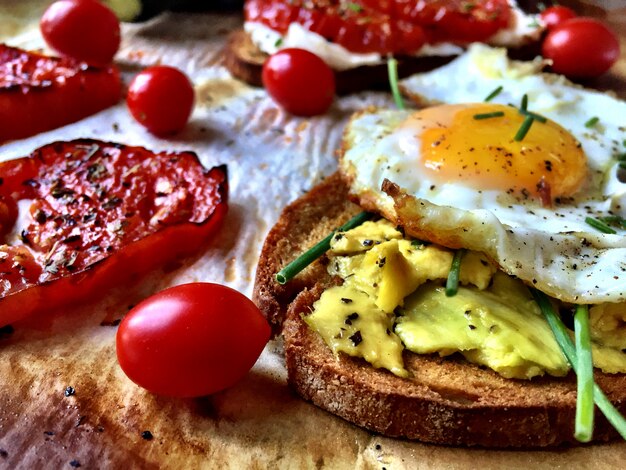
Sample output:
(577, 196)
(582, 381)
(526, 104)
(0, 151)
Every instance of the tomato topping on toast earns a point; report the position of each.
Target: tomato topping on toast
(100, 214)
(394, 26)
(40, 93)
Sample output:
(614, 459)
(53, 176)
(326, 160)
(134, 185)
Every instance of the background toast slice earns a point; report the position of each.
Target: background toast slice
(245, 62)
(446, 400)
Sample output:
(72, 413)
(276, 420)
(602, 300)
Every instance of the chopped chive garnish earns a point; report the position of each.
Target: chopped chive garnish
(524, 105)
(624, 142)
(452, 284)
(614, 219)
(592, 122)
(622, 165)
(537, 117)
(306, 258)
(621, 157)
(567, 346)
(355, 7)
(524, 128)
(392, 70)
(489, 115)
(278, 43)
(494, 93)
(584, 402)
(415, 243)
(599, 225)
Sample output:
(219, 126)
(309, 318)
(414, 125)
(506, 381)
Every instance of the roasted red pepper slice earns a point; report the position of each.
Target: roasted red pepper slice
(39, 93)
(101, 214)
(386, 26)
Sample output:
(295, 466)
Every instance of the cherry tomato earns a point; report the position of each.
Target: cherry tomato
(299, 81)
(556, 15)
(191, 340)
(84, 30)
(581, 48)
(161, 98)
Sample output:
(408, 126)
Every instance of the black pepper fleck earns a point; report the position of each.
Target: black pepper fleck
(147, 435)
(75, 463)
(356, 338)
(69, 391)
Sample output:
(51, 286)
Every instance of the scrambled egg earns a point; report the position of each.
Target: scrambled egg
(392, 298)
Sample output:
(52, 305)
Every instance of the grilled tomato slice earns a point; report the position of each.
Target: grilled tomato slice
(99, 215)
(385, 27)
(40, 93)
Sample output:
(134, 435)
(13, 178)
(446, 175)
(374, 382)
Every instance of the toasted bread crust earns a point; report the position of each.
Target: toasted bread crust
(245, 62)
(446, 401)
(301, 225)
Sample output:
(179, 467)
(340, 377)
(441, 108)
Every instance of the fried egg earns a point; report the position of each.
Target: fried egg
(464, 175)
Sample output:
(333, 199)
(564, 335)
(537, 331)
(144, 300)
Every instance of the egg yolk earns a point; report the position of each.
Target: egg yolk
(472, 145)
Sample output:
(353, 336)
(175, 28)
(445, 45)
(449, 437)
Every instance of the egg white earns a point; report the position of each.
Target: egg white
(551, 248)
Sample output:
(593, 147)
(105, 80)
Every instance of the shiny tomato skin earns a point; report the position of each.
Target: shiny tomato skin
(581, 48)
(555, 15)
(84, 30)
(161, 98)
(39, 93)
(191, 340)
(385, 26)
(299, 81)
(102, 215)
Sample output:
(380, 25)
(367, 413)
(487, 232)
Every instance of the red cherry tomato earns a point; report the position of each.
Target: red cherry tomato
(299, 81)
(191, 340)
(161, 98)
(556, 15)
(84, 30)
(581, 48)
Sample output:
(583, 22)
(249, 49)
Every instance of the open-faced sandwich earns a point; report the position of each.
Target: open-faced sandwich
(440, 313)
(355, 38)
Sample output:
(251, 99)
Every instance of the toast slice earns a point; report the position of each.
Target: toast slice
(245, 61)
(446, 400)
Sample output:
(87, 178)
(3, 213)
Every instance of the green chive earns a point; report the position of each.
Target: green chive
(278, 43)
(452, 284)
(494, 93)
(621, 157)
(488, 115)
(355, 7)
(599, 225)
(584, 401)
(306, 258)
(524, 105)
(614, 219)
(624, 142)
(537, 117)
(524, 128)
(415, 243)
(565, 342)
(392, 69)
(622, 165)
(592, 122)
